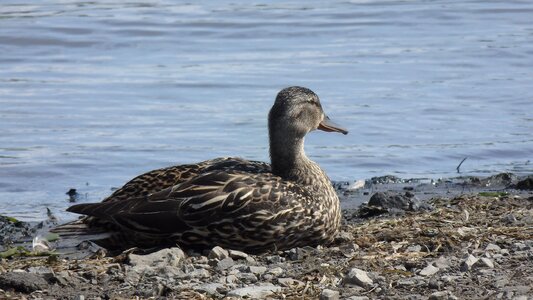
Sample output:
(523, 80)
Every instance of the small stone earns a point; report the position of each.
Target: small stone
(414, 248)
(520, 246)
(218, 253)
(165, 257)
(329, 295)
(406, 282)
(509, 219)
(358, 277)
(440, 295)
(429, 270)
(40, 270)
(22, 282)
(238, 254)
(230, 279)
(209, 288)
(257, 270)
(255, 291)
(276, 271)
(289, 282)
(274, 259)
(247, 277)
(484, 262)
(467, 264)
(493, 247)
(225, 263)
(441, 263)
(79, 297)
(358, 298)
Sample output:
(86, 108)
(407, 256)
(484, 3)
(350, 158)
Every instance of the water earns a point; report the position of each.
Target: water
(94, 93)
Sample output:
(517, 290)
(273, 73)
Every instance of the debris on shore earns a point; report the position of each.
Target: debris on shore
(476, 245)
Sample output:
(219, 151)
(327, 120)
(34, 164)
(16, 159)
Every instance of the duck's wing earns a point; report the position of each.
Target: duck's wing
(160, 179)
(200, 202)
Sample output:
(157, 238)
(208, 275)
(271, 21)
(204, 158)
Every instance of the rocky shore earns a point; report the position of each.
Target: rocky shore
(467, 239)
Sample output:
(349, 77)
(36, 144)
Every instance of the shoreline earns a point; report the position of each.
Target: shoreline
(442, 240)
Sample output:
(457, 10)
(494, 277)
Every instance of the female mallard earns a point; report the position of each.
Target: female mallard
(231, 202)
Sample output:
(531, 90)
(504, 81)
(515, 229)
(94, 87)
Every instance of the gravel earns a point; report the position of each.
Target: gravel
(434, 254)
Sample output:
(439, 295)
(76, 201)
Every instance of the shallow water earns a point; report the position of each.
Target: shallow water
(94, 93)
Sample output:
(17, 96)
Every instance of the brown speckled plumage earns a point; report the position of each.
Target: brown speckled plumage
(231, 202)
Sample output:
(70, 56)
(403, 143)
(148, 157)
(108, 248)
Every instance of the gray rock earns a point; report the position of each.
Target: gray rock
(22, 282)
(389, 200)
(255, 291)
(289, 282)
(196, 273)
(414, 248)
(40, 270)
(358, 298)
(225, 263)
(329, 295)
(484, 262)
(440, 295)
(276, 271)
(209, 288)
(257, 270)
(358, 277)
(406, 282)
(238, 254)
(429, 270)
(520, 246)
(467, 264)
(218, 253)
(230, 279)
(274, 259)
(493, 247)
(165, 257)
(441, 263)
(247, 277)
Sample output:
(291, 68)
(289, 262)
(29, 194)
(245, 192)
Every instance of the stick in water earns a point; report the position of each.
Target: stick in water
(462, 161)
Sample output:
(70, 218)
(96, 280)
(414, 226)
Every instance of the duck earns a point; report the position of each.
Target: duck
(229, 202)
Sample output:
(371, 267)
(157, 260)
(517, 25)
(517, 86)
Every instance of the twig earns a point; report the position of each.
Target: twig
(462, 161)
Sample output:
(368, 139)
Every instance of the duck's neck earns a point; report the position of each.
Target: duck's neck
(288, 158)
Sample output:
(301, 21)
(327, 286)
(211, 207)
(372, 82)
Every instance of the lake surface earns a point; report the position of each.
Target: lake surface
(94, 93)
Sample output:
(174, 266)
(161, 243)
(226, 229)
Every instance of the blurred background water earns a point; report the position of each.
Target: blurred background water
(94, 93)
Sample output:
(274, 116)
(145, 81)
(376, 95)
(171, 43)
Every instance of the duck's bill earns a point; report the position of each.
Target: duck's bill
(330, 126)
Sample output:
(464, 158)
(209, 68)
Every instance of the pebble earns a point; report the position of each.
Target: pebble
(247, 277)
(493, 247)
(406, 282)
(209, 288)
(484, 262)
(225, 263)
(218, 253)
(520, 246)
(22, 282)
(467, 264)
(429, 270)
(329, 295)
(441, 263)
(414, 248)
(257, 270)
(276, 271)
(255, 291)
(358, 277)
(358, 298)
(289, 282)
(440, 295)
(238, 254)
(165, 257)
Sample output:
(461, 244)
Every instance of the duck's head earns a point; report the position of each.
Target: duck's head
(297, 111)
